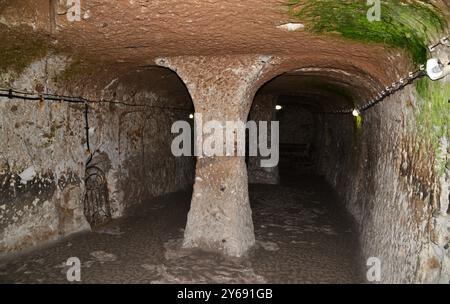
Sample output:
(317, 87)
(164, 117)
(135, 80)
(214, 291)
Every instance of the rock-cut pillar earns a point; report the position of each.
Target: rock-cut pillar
(222, 89)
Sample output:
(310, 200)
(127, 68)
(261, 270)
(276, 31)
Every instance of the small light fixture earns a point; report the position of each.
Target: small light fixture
(191, 116)
(356, 112)
(278, 107)
(436, 69)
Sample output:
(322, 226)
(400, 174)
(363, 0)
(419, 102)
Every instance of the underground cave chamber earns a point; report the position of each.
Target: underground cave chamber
(87, 170)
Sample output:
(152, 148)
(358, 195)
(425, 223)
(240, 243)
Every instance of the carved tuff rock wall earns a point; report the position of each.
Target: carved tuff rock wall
(386, 172)
(43, 152)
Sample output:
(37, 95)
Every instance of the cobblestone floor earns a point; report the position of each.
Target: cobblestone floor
(303, 236)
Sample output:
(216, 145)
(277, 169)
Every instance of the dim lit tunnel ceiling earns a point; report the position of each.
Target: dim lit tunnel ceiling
(322, 89)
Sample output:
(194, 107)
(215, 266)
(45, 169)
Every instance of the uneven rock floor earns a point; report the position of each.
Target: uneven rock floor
(303, 236)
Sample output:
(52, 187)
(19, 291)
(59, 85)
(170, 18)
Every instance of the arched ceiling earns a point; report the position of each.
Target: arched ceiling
(324, 88)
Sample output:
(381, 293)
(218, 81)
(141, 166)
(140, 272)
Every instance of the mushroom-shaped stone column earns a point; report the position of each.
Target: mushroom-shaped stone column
(222, 89)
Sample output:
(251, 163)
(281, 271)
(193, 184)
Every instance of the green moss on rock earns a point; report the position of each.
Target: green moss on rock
(404, 24)
(433, 114)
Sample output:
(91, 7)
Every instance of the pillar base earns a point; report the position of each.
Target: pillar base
(220, 218)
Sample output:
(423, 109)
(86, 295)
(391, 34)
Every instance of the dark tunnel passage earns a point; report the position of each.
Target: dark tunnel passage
(295, 200)
(304, 103)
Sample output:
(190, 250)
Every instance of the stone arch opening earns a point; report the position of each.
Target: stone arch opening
(155, 171)
(303, 100)
(315, 149)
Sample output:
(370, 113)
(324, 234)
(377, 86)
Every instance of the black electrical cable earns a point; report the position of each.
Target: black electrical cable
(86, 126)
(381, 97)
(11, 94)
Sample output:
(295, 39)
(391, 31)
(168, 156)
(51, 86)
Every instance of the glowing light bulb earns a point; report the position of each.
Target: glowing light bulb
(191, 116)
(278, 107)
(356, 113)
